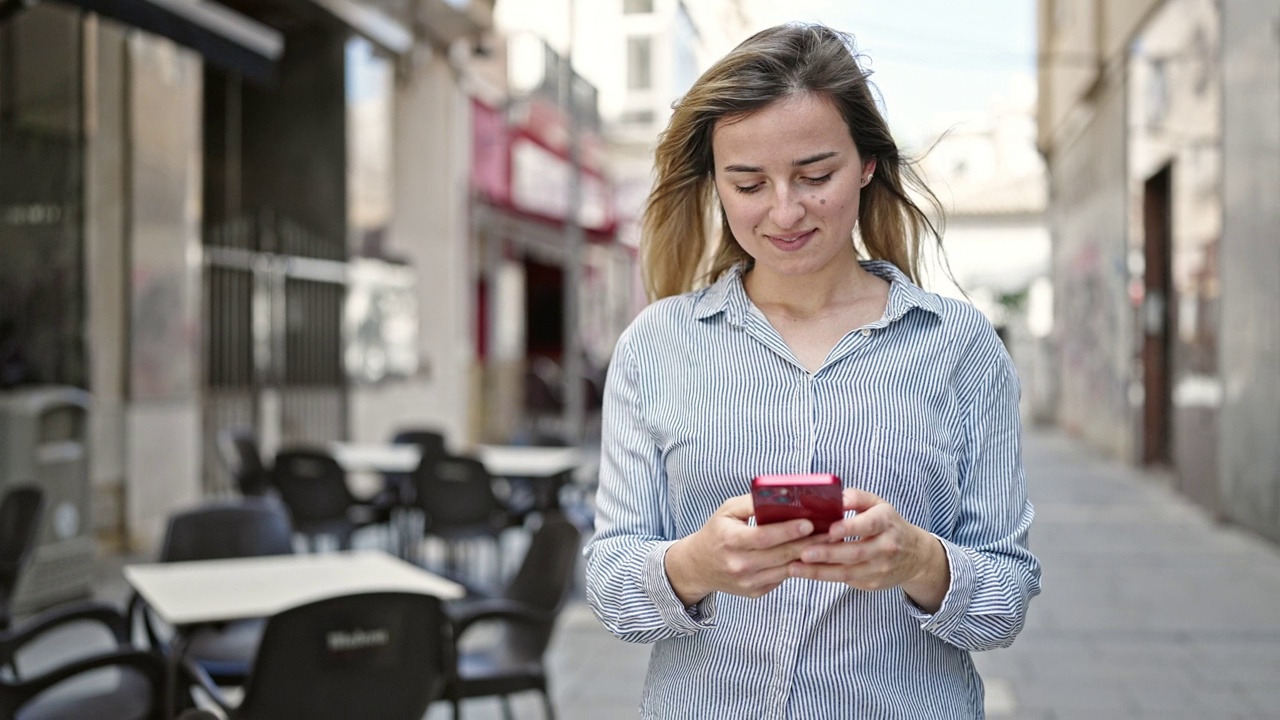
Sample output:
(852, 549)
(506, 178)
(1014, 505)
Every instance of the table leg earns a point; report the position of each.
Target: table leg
(549, 490)
(173, 670)
(407, 522)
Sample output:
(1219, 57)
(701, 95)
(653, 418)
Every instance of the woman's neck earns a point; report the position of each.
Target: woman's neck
(811, 296)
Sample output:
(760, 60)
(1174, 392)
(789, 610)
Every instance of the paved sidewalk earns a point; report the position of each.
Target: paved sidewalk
(1149, 610)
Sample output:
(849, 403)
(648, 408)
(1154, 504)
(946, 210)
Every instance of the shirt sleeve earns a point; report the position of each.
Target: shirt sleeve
(627, 584)
(993, 573)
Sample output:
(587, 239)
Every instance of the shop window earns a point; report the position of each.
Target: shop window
(41, 166)
(639, 63)
(637, 117)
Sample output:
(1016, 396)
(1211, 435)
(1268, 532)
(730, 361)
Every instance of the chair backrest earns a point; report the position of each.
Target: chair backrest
(21, 511)
(244, 459)
(432, 446)
(311, 483)
(370, 655)
(242, 527)
(456, 492)
(543, 581)
(430, 441)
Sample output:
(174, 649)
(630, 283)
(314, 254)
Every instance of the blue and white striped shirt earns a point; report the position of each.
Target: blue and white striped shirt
(919, 407)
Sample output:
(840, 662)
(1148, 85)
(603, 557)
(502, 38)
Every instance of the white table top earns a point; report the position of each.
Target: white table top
(528, 461)
(376, 457)
(499, 460)
(182, 593)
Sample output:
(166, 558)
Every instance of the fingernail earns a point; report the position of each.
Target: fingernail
(806, 527)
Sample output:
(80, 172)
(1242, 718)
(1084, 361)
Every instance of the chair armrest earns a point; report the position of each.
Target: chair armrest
(469, 614)
(139, 609)
(147, 663)
(196, 675)
(107, 615)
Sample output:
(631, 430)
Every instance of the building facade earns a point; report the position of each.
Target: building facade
(1146, 110)
(188, 196)
(637, 57)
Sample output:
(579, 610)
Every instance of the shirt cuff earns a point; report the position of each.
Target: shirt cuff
(677, 615)
(959, 593)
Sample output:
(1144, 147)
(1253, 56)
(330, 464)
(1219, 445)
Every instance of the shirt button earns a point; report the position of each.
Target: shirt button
(866, 332)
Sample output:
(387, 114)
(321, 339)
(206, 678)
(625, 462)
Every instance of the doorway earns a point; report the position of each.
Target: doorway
(1156, 320)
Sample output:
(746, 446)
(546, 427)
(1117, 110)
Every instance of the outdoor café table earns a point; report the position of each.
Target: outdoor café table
(551, 467)
(547, 468)
(188, 594)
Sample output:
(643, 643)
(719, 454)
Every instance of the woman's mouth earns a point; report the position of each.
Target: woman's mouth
(791, 241)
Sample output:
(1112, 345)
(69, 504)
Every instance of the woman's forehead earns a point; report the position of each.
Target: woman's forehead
(785, 131)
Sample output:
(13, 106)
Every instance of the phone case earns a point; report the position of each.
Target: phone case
(816, 496)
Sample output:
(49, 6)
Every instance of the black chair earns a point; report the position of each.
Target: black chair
(82, 687)
(456, 497)
(432, 445)
(428, 440)
(20, 513)
(369, 655)
(525, 614)
(239, 447)
(245, 527)
(314, 487)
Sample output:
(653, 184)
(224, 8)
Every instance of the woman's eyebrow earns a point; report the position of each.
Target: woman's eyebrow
(815, 158)
(797, 163)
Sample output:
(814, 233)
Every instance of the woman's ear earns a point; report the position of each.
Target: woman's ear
(868, 170)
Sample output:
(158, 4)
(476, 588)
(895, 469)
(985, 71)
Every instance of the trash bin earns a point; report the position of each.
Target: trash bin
(44, 440)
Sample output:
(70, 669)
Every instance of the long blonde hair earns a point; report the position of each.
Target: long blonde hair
(772, 64)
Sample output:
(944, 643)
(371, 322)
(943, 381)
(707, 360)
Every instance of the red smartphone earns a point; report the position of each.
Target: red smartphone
(816, 496)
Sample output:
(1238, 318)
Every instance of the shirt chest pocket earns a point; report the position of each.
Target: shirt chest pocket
(916, 472)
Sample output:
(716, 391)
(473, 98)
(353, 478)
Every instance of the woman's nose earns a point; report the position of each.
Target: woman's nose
(786, 210)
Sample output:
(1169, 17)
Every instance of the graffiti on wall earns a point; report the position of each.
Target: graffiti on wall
(1095, 366)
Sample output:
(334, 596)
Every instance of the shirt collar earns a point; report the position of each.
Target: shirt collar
(904, 295)
(727, 295)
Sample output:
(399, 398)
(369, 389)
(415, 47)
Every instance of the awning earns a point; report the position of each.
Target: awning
(361, 17)
(223, 36)
(372, 24)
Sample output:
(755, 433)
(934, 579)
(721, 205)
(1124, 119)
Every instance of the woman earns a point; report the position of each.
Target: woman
(811, 350)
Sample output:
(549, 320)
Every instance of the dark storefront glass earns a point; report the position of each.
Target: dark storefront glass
(41, 167)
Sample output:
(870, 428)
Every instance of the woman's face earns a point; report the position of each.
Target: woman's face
(789, 176)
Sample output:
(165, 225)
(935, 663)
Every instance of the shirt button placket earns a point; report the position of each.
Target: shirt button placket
(784, 661)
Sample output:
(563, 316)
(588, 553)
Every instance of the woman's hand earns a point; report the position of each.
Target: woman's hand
(888, 552)
(728, 555)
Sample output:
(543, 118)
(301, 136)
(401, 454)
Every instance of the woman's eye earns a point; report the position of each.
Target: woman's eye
(747, 189)
(817, 180)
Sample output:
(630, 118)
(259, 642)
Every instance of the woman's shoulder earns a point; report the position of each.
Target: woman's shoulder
(982, 350)
(961, 314)
(669, 313)
(963, 324)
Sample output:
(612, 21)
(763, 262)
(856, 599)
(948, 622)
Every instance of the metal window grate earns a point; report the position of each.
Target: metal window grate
(274, 300)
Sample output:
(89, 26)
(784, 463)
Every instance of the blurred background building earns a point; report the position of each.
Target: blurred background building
(990, 180)
(196, 194)
(1159, 124)
(323, 219)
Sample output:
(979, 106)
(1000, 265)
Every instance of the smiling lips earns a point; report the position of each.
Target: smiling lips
(791, 241)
